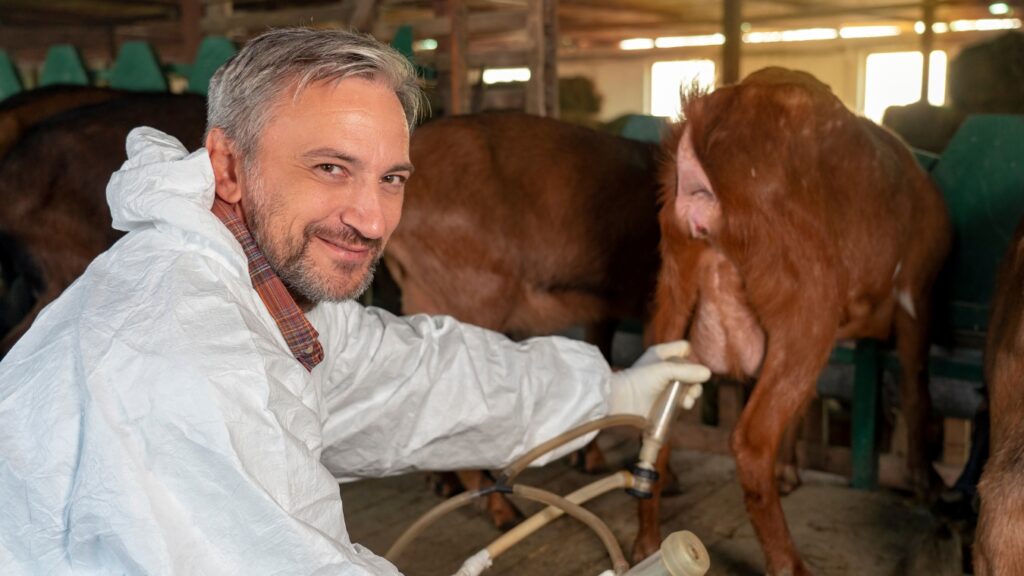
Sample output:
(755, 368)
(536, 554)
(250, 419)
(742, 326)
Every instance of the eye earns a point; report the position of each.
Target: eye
(700, 193)
(395, 179)
(331, 169)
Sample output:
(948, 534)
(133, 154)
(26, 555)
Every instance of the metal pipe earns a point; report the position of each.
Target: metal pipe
(663, 412)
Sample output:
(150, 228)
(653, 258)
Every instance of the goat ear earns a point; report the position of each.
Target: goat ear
(227, 165)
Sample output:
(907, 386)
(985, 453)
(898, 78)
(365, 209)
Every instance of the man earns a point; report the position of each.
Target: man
(187, 405)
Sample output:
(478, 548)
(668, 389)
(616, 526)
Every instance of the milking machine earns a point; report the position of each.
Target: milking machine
(681, 553)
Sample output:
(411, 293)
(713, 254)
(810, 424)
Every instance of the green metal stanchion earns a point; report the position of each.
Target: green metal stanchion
(63, 65)
(213, 52)
(866, 383)
(10, 82)
(137, 69)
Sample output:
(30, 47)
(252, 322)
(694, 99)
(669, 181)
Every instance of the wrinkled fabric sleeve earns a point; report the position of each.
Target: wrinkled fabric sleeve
(428, 392)
(156, 436)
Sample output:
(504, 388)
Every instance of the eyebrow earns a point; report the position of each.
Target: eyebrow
(338, 154)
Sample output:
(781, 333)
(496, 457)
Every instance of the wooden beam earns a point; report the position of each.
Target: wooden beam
(191, 34)
(542, 28)
(927, 44)
(219, 24)
(458, 47)
(732, 21)
(611, 15)
(477, 24)
(29, 44)
(494, 58)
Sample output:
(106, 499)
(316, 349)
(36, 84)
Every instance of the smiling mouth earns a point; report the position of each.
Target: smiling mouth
(349, 251)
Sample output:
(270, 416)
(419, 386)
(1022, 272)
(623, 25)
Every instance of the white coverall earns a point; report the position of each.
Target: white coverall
(153, 420)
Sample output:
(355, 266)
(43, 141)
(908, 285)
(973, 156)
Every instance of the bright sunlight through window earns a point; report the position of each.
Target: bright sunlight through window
(894, 79)
(667, 78)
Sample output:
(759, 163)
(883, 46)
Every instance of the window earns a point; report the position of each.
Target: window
(894, 79)
(668, 77)
(498, 75)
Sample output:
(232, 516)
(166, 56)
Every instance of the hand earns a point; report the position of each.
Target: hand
(634, 390)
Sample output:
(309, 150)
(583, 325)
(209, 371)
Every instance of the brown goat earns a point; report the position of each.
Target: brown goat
(526, 226)
(998, 540)
(20, 112)
(55, 218)
(789, 223)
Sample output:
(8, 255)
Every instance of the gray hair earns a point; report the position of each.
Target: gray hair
(246, 86)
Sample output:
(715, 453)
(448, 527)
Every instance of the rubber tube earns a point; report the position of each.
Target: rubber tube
(611, 544)
(515, 468)
(427, 519)
(621, 479)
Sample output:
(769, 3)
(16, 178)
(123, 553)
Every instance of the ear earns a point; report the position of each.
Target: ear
(227, 165)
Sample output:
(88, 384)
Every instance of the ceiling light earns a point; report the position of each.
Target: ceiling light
(636, 44)
(868, 31)
(498, 75)
(999, 8)
(984, 24)
(799, 35)
(681, 41)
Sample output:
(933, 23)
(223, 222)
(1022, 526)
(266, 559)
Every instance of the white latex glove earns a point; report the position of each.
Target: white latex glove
(634, 390)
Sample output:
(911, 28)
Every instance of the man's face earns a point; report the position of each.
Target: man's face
(324, 191)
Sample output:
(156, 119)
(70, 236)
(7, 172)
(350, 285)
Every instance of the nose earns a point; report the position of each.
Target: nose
(364, 211)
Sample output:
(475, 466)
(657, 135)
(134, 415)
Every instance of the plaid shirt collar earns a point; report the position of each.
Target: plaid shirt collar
(296, 329)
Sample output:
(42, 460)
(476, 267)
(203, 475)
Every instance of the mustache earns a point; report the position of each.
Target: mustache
(345, 236)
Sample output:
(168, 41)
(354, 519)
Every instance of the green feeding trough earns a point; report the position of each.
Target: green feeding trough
(63, 65)
(137, 69)
(213, 51)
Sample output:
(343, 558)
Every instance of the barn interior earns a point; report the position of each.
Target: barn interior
(947, 76)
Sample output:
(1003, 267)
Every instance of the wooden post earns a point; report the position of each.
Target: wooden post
(458, 46)
(191, 33)
(542, 29)
(927, 42)
(731, 23)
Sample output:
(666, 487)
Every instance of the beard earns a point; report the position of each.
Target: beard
(291, 260)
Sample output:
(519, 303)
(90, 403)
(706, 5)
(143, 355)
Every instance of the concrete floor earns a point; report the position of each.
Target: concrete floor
(838, 531)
